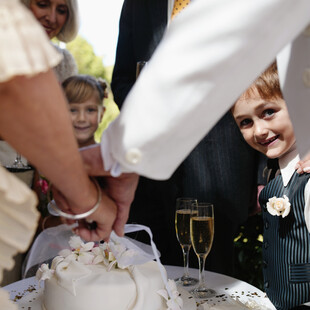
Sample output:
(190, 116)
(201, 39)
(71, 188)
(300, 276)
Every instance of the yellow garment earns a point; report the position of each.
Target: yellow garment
(110, 113)
(178, 6)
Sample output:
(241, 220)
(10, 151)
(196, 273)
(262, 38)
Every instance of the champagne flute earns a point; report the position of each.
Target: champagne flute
(18, 165)
(182, 228)
(202, 233)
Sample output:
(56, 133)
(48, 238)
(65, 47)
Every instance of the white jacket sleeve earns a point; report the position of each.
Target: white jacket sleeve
(211, 53)
(307, 205)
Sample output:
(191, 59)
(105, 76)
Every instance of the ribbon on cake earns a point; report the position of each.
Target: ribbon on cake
(129, 228)
(129, 252)
(172, 296)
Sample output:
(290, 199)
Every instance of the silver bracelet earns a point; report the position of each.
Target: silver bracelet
(81, 215)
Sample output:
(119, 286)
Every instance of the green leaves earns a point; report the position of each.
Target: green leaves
(86, 59)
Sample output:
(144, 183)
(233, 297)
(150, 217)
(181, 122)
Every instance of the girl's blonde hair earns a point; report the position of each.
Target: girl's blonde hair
(80, 88)
(70, 29)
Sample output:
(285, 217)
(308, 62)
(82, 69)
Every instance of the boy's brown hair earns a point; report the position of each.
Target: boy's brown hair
(267, 84)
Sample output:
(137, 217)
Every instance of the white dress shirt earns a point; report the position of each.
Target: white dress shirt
(207, 58)
(170, 8)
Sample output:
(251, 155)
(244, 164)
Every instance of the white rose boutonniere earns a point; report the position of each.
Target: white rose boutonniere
(279, 206)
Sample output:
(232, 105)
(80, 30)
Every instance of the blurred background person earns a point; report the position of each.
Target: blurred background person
(60, 20)
(222, 169)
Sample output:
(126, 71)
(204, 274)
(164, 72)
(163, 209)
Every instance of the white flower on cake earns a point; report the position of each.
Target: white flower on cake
(108, 258)
(99, 255)
(80, 252)
(112, 254)
(279, 206)
(176, 303)
(44, 272)
(122, 255)
(76, 243)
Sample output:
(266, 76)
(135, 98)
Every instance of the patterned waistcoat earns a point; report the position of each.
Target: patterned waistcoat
(286, 246)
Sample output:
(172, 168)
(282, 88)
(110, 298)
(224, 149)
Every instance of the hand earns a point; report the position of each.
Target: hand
(120, 189)
(303, 166)
(257, 208)
(93, 161)
(104, 217)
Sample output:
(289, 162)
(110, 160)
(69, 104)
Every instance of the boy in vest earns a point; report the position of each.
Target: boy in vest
(264, 122)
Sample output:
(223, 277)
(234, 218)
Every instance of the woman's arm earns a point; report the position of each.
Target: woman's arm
(34, 119)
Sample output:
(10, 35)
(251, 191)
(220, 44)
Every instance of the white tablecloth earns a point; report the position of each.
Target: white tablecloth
(227, 289)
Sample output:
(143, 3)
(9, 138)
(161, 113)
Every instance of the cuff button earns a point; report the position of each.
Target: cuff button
(133, 156)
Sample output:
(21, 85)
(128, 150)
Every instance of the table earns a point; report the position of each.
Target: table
(228, 289)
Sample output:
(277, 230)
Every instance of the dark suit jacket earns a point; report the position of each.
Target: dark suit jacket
(222, 169)
(142, 25)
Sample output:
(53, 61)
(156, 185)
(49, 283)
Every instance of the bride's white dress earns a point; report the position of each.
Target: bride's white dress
(24, 50)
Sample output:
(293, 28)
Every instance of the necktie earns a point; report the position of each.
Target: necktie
(273, 164)
(178, 6)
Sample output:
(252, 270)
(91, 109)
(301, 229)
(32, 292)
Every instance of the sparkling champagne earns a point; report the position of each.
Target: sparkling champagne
(182, 226)
(202, 232)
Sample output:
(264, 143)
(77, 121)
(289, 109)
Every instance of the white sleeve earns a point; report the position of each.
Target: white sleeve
(25, 48)
(307, 205)
(208, 57)
(294, 74)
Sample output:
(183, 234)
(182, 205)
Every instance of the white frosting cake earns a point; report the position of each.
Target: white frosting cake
(90, 277)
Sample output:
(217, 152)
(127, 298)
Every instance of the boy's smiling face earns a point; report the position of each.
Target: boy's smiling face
(264, 124)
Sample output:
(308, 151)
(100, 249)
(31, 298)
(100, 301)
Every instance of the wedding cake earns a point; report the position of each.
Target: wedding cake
(102, 277)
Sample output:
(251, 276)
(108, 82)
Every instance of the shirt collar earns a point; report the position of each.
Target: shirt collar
(287, 165)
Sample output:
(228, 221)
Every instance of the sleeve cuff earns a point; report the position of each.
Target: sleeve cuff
(110, 164)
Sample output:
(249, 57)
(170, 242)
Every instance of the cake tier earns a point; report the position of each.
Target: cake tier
(117, 289)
